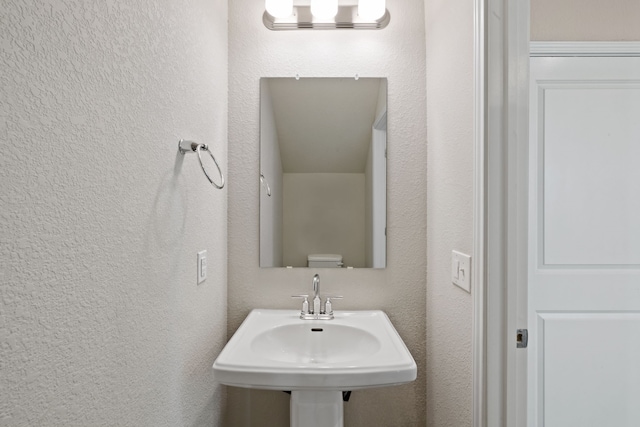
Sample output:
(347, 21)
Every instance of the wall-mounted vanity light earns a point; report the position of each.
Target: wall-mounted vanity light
(325, 15)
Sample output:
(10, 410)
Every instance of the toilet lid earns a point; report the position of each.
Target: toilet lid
(324, 257)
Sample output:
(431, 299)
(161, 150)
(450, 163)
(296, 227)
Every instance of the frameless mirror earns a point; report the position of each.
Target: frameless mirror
(323, 172)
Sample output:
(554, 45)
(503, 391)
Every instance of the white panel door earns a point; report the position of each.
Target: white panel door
(584, 243)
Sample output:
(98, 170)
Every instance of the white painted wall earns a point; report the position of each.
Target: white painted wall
(397, 53)
(449, 46)
(588, 20)
(324, 213)
(101, 320)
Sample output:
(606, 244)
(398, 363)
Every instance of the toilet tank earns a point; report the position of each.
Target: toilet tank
(324, 260)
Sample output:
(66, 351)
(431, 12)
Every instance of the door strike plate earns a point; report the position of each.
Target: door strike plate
(522, 338)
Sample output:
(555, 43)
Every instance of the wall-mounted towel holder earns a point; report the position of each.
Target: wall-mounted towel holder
(185, 146)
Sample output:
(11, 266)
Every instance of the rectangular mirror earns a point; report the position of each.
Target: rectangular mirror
(323, 183)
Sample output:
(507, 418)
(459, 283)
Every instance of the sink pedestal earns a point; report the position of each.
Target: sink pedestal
(311, 408)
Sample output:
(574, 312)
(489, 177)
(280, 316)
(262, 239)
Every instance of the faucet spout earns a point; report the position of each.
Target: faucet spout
(316, 285)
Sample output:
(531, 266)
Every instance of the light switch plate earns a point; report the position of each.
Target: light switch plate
(202, 266)
(461, 270)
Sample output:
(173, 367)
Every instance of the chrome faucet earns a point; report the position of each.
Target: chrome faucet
(316, 310)
(316, 285)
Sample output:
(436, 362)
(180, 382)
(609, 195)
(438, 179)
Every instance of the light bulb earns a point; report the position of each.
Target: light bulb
(371, 10)
(279, 8)
(324, 9)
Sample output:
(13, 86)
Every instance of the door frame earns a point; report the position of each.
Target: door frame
(502, 51)
(501, 116)
(379, 194)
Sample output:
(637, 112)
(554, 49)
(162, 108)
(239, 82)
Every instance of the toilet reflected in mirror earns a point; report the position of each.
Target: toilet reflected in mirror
(324, 261)
(323, 172)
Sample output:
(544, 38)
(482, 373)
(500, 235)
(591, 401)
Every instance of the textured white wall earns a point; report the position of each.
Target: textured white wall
(449, 36)
(589, 20)
(398, 53)
(101, 320)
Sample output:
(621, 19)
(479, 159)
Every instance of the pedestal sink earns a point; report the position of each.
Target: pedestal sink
(315, 359)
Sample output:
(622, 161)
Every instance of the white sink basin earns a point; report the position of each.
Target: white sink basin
(275, 349)
(316, 345)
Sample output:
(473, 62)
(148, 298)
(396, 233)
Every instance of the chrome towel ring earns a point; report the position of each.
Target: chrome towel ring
(185, 146)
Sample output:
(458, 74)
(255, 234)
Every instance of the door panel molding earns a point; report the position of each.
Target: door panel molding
(576, 48)
(564, 388)
(572, 151)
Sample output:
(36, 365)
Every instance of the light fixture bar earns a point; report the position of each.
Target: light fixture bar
(347, 18)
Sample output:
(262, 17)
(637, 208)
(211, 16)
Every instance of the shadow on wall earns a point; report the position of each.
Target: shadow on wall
(166, 224)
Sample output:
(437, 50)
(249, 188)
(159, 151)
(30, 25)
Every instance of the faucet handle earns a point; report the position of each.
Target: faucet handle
(328, 308)
(305, 303)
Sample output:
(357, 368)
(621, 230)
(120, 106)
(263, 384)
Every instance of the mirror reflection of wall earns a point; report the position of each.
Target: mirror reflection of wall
(323, 160)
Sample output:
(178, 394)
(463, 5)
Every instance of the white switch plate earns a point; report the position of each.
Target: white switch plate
(461, 270)
(202, 266)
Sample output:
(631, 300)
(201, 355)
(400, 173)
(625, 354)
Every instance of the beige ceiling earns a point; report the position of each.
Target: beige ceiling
(324, 124)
